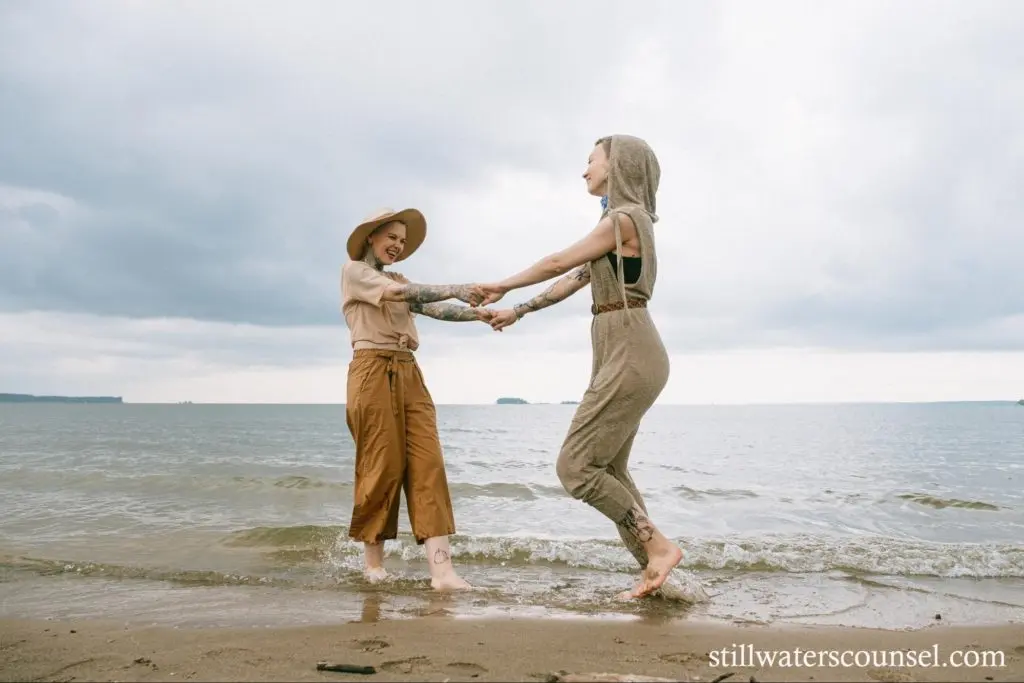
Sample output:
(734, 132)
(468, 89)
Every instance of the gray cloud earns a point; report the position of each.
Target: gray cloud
(216, 180)
(845, 175)
(894, 212)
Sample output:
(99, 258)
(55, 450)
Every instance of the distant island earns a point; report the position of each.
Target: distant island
(1020, 402)
(515, 401)
(29, 398)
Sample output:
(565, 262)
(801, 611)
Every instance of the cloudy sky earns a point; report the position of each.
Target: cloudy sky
(841, 206)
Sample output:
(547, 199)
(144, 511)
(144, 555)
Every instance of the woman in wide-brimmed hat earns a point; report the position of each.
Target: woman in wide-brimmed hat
(389, 410)
(630, 364)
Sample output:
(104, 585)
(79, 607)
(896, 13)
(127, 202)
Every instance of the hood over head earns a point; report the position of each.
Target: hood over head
(633, 175)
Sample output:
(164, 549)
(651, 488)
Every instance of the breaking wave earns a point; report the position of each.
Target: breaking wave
(793, 554)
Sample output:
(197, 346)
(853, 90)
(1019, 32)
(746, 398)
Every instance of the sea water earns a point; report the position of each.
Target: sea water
(871, 515)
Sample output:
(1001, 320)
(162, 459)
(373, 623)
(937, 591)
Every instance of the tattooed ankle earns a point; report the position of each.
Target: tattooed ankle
(441, 556)
(637, 523)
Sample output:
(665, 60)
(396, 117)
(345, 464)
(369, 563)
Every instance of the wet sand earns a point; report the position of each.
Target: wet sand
(441, 648)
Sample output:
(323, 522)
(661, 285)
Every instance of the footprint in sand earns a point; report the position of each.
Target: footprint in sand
(412, 665)
(6, 646)
(371, 644)
(1019, 649)
(467, 668)
(890, 676)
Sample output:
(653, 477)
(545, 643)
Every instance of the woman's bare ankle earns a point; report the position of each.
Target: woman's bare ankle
(373, 557)
(442, 572)
(663, 555)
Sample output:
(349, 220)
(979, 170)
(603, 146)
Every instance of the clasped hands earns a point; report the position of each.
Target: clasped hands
(480, 295)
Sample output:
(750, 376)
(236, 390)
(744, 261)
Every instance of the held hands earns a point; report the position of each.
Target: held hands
(480, 294)
(492, 292)
(496, 319)
(477, 296)
(473, 295)
(484, 315)
(502, 319)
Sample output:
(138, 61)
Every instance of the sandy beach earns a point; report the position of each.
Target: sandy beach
(440, 649)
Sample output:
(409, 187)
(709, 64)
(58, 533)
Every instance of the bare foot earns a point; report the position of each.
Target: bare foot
(375, 574)
(661, 561)
(450, 581)
(630, 594)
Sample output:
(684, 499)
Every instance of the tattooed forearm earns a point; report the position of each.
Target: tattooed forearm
(445, 311)
(424, 294)
(561, 290)
(637, 524)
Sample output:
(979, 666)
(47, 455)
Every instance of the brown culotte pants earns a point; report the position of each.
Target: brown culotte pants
(393, 422)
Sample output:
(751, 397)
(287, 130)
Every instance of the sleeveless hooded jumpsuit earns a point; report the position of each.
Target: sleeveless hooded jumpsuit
(630, 363)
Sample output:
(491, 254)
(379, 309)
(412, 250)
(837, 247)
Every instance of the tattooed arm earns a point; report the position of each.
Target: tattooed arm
(560, 291)
(363, 282)
(600, 241)
(450, 312)
(412, 293)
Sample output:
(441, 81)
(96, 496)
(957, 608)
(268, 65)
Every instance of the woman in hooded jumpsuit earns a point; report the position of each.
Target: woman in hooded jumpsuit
(630, 364)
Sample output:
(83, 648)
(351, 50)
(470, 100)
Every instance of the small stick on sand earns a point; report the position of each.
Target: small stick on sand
(345, 668)
(719, 679)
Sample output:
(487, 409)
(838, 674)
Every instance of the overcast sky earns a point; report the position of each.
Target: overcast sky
(841, 206)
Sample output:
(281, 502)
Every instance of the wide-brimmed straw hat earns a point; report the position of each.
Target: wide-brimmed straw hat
(415, 231)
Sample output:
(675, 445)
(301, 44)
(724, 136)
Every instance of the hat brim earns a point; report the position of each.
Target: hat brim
(415, 233)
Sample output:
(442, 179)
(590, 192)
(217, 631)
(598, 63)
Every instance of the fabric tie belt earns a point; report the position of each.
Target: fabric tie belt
(392, 357)
(617, 306)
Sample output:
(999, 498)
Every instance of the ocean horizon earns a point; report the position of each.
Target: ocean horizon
(566, 402)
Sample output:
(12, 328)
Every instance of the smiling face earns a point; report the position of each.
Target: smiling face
(387, 242)
(596, 174)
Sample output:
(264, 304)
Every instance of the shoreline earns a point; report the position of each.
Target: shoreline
(439, 648)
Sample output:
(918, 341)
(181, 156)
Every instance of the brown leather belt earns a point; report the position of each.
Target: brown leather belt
(617, 306)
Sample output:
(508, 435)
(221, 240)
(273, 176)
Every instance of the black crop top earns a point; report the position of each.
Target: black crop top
(630, 264)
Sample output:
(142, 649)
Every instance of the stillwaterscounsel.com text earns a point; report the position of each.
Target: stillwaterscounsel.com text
(746, 655)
